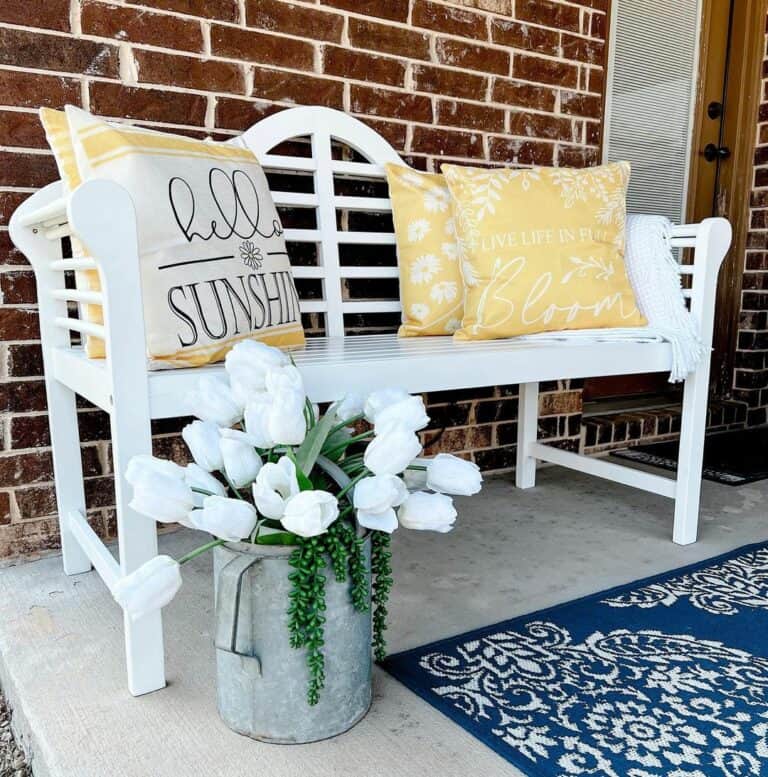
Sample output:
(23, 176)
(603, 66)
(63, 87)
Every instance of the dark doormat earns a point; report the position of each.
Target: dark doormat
(733, 458)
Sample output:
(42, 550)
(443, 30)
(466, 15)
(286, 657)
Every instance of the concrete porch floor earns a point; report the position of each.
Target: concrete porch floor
(61, 655)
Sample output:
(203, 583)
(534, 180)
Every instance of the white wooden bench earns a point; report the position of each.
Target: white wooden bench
(101, 215)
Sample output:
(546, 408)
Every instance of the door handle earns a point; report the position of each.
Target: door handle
(713, 152)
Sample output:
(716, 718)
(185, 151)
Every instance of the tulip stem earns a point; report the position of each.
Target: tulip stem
(342, 446)
(351, 484)
(348, 422)
(199, 551)
(202, 491)
(417, 466)
(232, 486)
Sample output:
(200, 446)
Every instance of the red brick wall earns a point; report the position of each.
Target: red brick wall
(501, 81)
(751, 374)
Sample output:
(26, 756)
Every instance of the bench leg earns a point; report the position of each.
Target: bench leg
(137, 539)
(690, 457)
(68, 471)
(527, 429)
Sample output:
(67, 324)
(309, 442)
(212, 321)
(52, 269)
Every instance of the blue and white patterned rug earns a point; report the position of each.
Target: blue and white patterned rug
(665, 677)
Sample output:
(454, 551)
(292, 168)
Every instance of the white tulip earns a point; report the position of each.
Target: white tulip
(285, 379)
(427, 512)
(276, 419)
(310, 513)
(287, 423)
(214, 401)
(449, 474)
(227, 519)
(202, 439)
(378, 400)
(241, 462)
(386, 521)
(349, 407)
(379, 493)
(149, 587)
(408, 412)
(144, 462)
(257, 419)
(247, 365)
(392, 451)
(196, 477)
(275, 485)
(159, 489)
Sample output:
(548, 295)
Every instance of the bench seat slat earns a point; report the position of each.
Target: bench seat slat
(334, 365)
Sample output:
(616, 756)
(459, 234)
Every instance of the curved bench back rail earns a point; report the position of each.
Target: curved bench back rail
(343, 152)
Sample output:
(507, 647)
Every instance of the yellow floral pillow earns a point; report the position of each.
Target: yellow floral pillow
(542, 249)
(431, 290)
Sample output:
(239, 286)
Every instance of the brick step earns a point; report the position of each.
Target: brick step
(628, 428)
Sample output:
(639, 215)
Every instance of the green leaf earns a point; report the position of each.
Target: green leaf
(277, 538)
(309, 450)
(305, 484)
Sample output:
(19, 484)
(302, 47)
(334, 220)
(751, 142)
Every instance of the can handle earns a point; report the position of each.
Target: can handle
(230, 591)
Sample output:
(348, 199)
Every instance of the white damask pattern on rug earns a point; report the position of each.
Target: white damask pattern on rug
(622, 704)
(723, 589)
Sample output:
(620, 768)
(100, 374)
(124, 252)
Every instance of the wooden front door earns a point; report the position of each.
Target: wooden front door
(733, 48)
(723, 131)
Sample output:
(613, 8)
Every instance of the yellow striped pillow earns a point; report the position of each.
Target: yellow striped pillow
(213, 259)
(56, 129)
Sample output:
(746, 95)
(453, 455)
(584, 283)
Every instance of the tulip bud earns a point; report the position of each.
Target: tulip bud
(276, 419)
(409, 412)
(247, 365)
(386, 521)
(214, 401)
(310, 513)
(275, 485)
(196, 477)
(427, 512)
(241, 462)
(159, 489)
(227, 519)
(449, 474)
(148, 588)
(287, 424)
(379, 493)
(257, 420)
(349, 407)
(284, 379)
(202, 439)
(392, 451)
(378, 400)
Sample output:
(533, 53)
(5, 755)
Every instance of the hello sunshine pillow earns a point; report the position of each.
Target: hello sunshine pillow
(212, 254)
(542, 249)
(431, 290)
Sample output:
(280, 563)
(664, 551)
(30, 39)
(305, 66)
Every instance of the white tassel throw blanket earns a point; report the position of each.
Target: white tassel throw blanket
(652, 271)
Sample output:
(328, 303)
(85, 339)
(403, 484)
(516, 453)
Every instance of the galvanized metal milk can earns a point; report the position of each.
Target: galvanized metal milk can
(261, 680)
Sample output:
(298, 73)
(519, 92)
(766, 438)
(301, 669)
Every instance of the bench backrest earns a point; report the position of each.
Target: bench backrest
(329, 134)
(42, 220)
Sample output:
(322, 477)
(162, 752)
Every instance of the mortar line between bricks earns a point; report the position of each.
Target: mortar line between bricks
(289, 36)
(310, 5)
(338, 79)
(399, 90)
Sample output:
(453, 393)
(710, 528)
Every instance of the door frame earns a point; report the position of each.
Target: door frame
(743, 93)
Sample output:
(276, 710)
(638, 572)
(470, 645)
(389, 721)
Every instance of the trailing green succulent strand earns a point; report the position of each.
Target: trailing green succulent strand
(306, 619)
(338, 550)
(381, 571)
